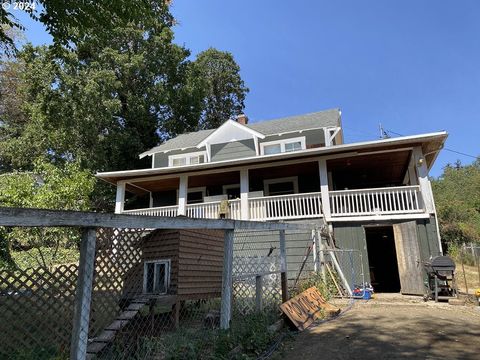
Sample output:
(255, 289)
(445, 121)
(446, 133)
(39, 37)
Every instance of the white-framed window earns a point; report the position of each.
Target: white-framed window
(281, 186)
(232, 191)
(187, 159)
(196, 195)
(281, 146)
(156, 276)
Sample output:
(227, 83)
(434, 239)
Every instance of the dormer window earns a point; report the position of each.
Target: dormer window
(281, 146)
(187, 159)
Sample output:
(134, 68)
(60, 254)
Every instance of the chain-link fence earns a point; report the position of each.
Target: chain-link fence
(145, 293)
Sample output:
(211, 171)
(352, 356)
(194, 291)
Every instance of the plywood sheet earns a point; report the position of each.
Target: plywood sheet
(306, 307)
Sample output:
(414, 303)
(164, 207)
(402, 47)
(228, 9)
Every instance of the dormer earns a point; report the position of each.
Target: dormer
(231, 132)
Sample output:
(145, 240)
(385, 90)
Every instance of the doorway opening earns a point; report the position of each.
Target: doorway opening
(382, 258)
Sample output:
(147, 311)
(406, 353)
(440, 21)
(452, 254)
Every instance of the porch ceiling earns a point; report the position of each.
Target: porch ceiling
(300, 169)
(369, 170)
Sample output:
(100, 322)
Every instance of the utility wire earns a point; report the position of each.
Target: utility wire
(446, 149)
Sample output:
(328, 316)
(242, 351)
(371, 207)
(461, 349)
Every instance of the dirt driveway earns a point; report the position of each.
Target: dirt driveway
(392, 328)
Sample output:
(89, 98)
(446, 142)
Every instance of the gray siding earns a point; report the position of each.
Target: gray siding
(233, 150)
(312, 137)
(352, 236)
(427, 238)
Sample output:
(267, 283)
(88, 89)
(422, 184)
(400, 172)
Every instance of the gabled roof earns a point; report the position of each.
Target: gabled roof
(326, 118)
(234, 129)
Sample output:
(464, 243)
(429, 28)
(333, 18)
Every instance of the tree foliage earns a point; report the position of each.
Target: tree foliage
(48, 186)
(223, 89)
(70, 22)
(457, 198)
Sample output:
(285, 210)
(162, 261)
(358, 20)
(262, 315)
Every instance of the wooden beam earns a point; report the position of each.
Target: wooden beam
(226, 304)
(283, 266)
(49, 218)
(83, 295)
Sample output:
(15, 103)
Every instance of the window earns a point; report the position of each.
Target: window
(187, 159)
(232, 191)
(282, 186)
(196, 195)
(281, 146)
(272, 149)
(293, 146)
(156, 277)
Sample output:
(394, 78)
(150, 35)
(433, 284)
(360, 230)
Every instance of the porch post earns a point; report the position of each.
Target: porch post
(244, 187)
(423, 181)
(322, 168)
(120, 199)
(182, 195)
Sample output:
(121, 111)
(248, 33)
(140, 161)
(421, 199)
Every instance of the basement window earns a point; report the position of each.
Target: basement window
(156, 277)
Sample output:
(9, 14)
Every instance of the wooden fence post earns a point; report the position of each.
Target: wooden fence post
(226, 305)
(83, 295)
(283, 266)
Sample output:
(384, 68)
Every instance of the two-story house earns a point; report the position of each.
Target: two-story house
(376, 195)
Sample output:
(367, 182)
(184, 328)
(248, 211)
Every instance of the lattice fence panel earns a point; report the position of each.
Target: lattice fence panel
(36, 307)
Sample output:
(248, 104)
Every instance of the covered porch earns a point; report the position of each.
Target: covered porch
(386, 184)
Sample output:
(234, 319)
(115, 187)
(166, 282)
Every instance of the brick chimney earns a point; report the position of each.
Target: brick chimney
(242, 119)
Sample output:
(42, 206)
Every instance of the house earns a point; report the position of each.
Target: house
(374, 195)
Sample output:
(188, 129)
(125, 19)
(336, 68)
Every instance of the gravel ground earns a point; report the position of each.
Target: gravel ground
(392, 327)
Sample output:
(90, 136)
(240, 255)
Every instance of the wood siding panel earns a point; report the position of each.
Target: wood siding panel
(409, 260)
(200, 264)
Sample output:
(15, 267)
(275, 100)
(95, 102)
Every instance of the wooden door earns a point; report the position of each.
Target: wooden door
(410, 268)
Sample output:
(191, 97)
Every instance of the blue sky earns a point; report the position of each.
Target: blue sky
(413, 66)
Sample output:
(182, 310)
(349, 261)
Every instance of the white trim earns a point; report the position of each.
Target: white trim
(323, 176)
(282, 144)
(182, 195)
(293, 179)
(378, 217)
(244, 189)
(168, 267)
(120, 197)
(230, 122)
(187, 157)
(328, 151)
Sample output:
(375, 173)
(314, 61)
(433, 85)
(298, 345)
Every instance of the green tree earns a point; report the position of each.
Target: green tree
(457, 198)
(48, 186)
(223, 89)
(70, 22)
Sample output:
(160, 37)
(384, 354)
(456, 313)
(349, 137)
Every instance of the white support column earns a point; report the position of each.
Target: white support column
(120, 199)
(244, 188)
(322, 168)
(182, 195)
(423, 181)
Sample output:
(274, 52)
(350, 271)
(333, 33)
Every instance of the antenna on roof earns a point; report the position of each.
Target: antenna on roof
(383, 133)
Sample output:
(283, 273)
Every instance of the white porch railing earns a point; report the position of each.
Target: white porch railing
(210, 210)
(380, 201)
(294, 206)
(169, 211)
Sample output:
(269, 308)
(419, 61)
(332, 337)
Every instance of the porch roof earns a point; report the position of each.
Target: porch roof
(431, 144)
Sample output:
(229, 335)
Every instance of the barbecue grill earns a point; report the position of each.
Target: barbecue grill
(441, 278)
